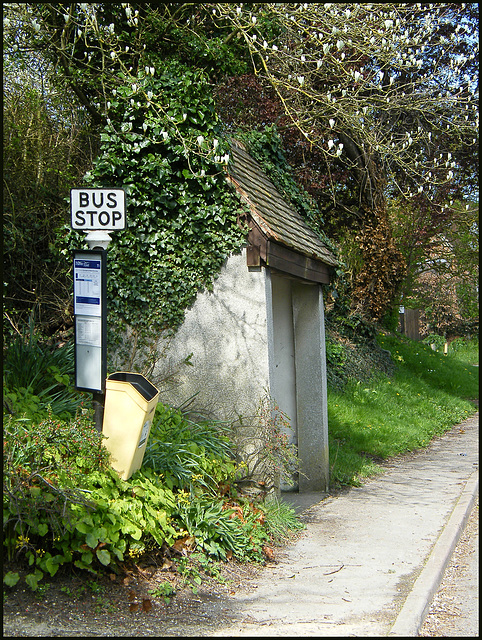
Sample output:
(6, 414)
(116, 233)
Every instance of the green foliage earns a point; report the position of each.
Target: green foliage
(163, 590)
(436, 340)
(65, 505)
(373, 419)
(37, 377)
(191, 456)
(465, 349)
(160, 145)
(281, 520)
(46, 148)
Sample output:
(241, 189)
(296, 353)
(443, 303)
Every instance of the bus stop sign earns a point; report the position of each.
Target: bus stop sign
(103, 209)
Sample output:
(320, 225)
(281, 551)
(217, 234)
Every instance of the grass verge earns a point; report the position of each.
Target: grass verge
(373, 419)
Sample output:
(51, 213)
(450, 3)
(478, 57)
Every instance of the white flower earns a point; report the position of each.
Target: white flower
(332, 123)
(388, 24)
(358, 75)
(134, 88)
(111, 27)
(200, 140)
(326, 48)
(340, 44)
(215, 143)
(339, 150)
(301, 80)
(253, 19)
(112, 55)
(184, 116)
(149, 95)
(331, 144)
(318, 64)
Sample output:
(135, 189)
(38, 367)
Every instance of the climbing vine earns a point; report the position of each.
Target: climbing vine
(162, 145)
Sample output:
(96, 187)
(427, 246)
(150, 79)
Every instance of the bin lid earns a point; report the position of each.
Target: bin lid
(137, 380)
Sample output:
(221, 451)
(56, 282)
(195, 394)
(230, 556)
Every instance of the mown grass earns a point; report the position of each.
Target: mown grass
(373, 419)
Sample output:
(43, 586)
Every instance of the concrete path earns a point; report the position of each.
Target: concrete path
(370, 559)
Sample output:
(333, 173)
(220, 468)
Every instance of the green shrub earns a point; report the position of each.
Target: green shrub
(192, 456)
(37, 376)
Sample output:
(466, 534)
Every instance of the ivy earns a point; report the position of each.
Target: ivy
(163, 145)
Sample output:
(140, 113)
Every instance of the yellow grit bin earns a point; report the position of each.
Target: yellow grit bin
(130, 403)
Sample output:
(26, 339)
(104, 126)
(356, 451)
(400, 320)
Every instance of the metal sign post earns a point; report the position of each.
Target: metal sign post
(90, 324)
(97, 212)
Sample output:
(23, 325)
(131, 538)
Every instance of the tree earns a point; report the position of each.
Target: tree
(46, 146)
(374, 102)
(443, 268)
(383, 93)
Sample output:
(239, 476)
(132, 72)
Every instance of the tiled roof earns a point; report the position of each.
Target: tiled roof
(276, 217)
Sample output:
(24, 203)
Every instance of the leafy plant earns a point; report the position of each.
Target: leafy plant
(191, 455)
(163, 590)
(36, 377)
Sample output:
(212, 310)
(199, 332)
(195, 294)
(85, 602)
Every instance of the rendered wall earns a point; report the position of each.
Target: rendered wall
(258, 332)
(226, 331)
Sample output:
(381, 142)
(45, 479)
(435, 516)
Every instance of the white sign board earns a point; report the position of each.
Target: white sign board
(98, 209)
(90, 320)
(87, 285)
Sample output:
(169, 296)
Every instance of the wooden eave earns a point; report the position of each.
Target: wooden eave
(278, 236)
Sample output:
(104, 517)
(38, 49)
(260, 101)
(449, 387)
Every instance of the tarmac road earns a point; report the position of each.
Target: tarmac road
(454, 610)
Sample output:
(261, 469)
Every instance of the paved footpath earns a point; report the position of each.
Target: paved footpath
(370, 559)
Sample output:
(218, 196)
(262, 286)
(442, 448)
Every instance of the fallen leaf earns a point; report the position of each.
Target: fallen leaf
(133, 607)
(112, 576)
(131, 595)
(146, 605)
(268, 552)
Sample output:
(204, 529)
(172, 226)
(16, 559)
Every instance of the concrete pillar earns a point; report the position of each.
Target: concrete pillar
(311, 392)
